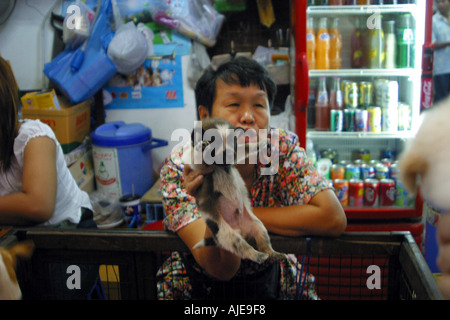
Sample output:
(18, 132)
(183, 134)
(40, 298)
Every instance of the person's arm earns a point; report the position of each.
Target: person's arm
(322, 216)
(441, 45)
(35, 203)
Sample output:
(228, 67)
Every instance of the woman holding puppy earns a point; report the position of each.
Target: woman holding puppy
(36, 187)
(296, 201)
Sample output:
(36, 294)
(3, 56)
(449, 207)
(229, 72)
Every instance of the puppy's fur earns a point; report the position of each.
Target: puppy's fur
(426, 159)
(9, 287)
(224, 203)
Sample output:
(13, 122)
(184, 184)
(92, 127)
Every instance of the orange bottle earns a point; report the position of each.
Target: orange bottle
(311, 44)
(323, 46)
(335, 45)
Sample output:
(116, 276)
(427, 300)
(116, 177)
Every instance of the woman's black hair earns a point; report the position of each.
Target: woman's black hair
(240, 70)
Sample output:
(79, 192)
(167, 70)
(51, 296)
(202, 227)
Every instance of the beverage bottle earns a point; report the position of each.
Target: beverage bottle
(390, 45)
(311, 44)
(336, 98)
(322, 46)
(337, 2)
(322, 107)
(357, 57)
(335, 45)
(405, 42)
(376, 48)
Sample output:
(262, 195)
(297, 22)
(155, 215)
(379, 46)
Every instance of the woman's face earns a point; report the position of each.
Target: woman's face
(244, 107)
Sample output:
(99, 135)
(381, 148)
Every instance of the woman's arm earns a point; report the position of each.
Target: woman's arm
(217, 262)
(35, 203)
(323, 216)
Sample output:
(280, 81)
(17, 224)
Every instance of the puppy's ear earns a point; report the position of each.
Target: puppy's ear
(411, 165)
(23, 249)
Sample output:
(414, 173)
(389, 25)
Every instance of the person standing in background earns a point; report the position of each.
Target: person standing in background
(441, 40)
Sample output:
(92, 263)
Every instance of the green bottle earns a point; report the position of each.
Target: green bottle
(405, 42)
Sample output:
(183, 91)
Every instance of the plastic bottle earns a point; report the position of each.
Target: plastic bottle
(311, 44)
(405, 42)
(322, 107)
(335, 45)
(336, 98)
(357, 42)
(376, 48)
(323, 46)
(390, 45)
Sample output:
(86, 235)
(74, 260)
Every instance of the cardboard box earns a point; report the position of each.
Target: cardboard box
(41, 100)
(70, 124)
(83, 172)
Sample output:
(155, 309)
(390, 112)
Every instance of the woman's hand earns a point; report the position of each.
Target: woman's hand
(193, 178)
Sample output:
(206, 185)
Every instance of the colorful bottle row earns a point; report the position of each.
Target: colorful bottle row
(366, 184)
(357, 2)
(324, 48)
(360, 106)
(389, 44)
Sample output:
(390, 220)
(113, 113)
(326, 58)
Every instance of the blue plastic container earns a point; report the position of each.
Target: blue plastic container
(123, 159)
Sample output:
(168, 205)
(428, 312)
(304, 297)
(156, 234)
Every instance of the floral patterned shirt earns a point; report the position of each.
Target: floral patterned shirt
(296, 182)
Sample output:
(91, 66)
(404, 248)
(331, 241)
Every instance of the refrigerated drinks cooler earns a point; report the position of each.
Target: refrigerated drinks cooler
(377, 83)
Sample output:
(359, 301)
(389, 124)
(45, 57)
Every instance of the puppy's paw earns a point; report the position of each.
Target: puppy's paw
(258, 257)
(277, 256)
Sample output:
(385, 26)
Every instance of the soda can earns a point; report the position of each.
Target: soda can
(390, 94)
(363, 154)
(324, 167)
(387, 192)
(351, 95)
(367, 171)
(341, 190)
(359, 162)
(374, 162)
(356, 193)
(331, 154)
(337, 172)
(402, 197)
(387, 162)
(352, 172)
(374, 119)
(381, 171)
(371, 192)
(379, 91)
(390, 119)
(361, 120)
(349, 120)
(336, 120)
(387, 153)
(404, 117)
(395, 171)
(365, 94)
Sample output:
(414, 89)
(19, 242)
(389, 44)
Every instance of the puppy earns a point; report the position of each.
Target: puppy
(223, 198)
(9, 287)
(425, 161)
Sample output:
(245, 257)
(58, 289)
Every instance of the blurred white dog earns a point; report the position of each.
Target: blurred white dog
(426, 159)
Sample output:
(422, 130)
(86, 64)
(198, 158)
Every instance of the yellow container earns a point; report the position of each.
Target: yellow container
(70, 123)
(41, 100)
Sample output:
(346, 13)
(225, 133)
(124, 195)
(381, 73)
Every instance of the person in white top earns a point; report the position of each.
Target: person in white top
(36, 187)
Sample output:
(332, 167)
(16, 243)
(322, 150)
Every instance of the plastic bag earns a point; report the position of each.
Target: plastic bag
(77, 23)
(107, 210)
(96, 68)
(128, 49)
(196, 19)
